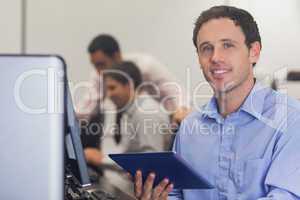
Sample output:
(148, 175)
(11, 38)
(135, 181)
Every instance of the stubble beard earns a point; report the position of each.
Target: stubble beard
(223, 93)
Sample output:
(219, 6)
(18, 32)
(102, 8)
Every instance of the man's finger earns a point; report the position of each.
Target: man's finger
(160, 188)
(147, 193)
(165, 193)
(138, 184)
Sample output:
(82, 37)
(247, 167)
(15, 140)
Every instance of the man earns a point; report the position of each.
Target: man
(143, 124)
(245, 140)
(105, 51)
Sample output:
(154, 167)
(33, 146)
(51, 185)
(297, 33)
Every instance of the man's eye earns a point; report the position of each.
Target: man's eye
(111, 88)
(206, 49)
(227, 45)
(100, 65)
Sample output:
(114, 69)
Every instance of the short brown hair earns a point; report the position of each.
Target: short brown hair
(240, 17)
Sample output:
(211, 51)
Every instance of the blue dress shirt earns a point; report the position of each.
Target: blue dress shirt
(253, 153)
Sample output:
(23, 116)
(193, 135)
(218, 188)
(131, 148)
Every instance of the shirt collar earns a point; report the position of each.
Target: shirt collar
(211, 108)
(133, 106)
(252, 105)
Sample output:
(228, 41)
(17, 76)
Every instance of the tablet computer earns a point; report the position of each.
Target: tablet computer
(164, 165)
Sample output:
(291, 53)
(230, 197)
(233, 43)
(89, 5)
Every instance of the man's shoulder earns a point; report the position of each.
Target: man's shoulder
(147, 101)
(149, 65)
(138, 56)
(281, 111)
(142, 60)
(194, 116)
(279, 101)
(283, 115)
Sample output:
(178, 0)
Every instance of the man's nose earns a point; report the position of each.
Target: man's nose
(217, 55)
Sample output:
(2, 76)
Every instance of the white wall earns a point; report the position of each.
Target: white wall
(279, 24)
(161, 28)
(10, 23)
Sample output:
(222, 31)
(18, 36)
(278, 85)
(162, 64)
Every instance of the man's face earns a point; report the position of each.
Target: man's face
(117, 92)
(101, 61)
(224, 57)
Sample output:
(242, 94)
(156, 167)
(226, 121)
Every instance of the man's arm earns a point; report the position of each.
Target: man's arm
(93, 156)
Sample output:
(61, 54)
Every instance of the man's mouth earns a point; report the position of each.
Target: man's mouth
(218, 73)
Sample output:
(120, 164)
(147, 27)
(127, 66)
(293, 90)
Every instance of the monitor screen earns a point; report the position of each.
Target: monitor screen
(75, 161)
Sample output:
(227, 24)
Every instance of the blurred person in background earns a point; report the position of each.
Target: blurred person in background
(158, 82)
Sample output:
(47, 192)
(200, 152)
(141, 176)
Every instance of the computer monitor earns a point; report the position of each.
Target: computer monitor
(32, 127)
(75, 161)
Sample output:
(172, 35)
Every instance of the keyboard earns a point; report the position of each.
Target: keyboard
(101, 195)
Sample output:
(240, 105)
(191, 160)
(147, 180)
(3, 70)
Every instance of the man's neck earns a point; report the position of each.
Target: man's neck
(229, 102)
(131, 100)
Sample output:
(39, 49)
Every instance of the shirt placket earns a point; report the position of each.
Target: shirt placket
(225, 158)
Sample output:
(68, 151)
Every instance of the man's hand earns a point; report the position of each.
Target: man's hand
(93, 156)
(147, 192)
(180, 114)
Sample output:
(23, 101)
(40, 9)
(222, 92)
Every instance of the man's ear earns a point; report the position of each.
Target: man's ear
(129, 90)
(254, 52)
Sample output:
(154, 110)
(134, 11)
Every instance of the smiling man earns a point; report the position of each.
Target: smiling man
(143, 123)
(249, 148)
